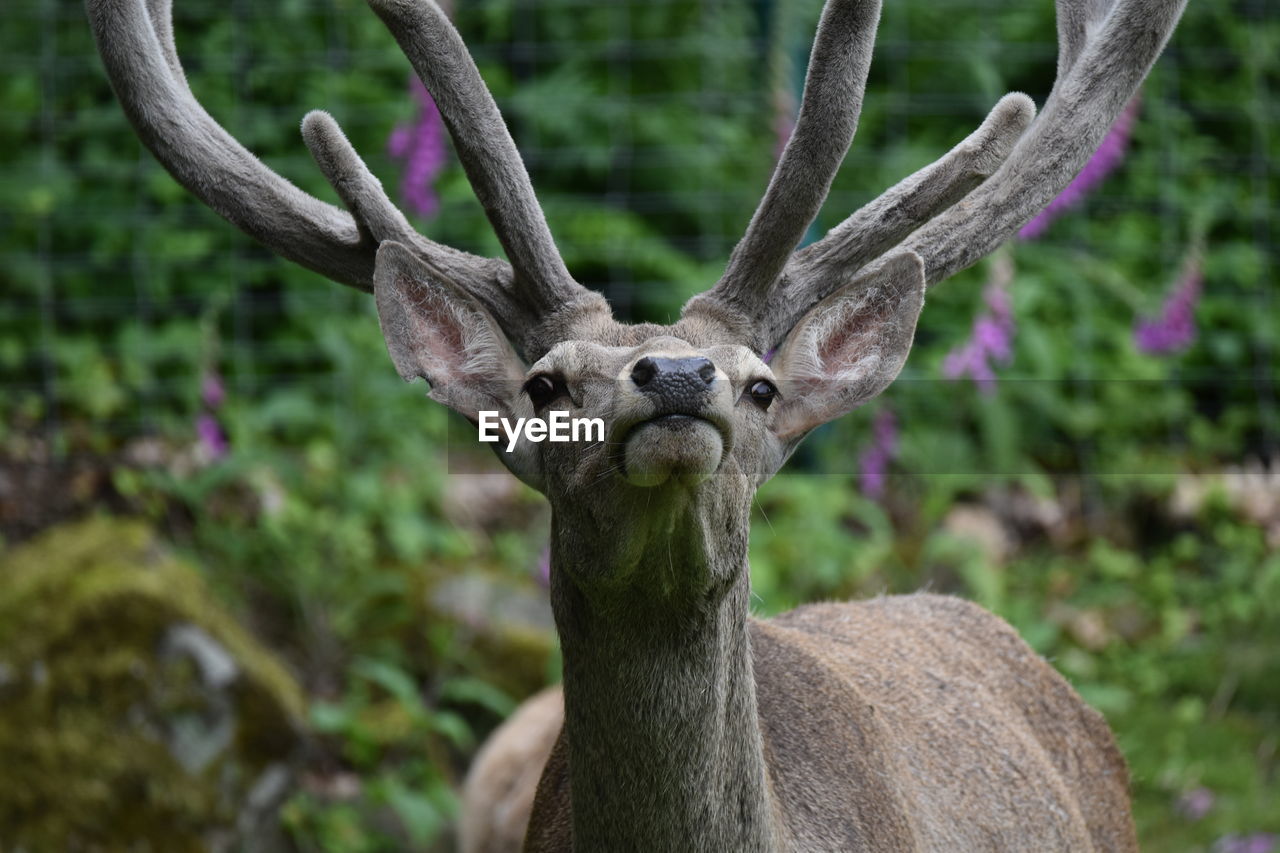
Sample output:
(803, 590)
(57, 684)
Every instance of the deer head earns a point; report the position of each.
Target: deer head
(650, 525)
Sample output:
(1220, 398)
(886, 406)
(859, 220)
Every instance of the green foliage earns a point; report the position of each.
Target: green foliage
(1059, 500)
(107, 732)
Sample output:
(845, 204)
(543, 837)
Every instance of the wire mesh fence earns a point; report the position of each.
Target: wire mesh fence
(155, 360)
(649, 130)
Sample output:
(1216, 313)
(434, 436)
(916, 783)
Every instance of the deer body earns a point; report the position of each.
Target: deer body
(916, 723)
(884, 727)
(902, 723)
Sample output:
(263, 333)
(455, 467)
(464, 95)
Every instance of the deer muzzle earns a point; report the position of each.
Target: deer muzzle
(678, 434)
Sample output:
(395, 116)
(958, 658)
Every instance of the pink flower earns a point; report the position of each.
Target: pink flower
(783, 126)
(1258, 842)
(991, 337)
(420, 145)
(212, 440)
(542, 572)
(784, 118)
(873, 462)
(1103, 162)
(1196, 803)
(209, 434)
(212, 391)
(1175, 328)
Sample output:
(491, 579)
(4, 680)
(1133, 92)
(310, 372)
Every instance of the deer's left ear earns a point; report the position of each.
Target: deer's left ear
(848, 348)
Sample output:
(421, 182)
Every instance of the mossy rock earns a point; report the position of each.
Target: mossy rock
(134, 712)
(505, 624)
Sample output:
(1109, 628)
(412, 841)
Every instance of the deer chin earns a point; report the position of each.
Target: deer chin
(679, 449)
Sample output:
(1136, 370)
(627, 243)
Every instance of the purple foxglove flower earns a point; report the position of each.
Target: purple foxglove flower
(1175, 329)
(212, 440)
(784, 119)
(1103, 162)
(991, 337)
(1196, 803)
(212, 391)
(1258, 842)
(542, 572)
(969, 360)
(420, 146)
(873, 462)
(783, 126)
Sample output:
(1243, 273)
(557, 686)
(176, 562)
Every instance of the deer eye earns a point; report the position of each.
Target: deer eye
(762, 393)
(544, 389)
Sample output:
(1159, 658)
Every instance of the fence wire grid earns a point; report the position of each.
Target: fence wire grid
(649, 130)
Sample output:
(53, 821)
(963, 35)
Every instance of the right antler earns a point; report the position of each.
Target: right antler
(954, 211)
(135, 39)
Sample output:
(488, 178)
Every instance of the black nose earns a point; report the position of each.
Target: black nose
(694, 369)
(679, 383)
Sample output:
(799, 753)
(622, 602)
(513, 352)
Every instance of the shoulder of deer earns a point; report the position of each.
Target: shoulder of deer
(886, 720)
(944, 708)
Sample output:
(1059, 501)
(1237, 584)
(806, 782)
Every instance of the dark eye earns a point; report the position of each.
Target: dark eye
(762, 393)
(544, 389)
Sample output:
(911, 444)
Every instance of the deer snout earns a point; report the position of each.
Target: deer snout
(679, 431)
(675, 384)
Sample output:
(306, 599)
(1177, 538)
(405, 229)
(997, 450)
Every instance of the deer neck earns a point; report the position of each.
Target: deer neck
(664, 743)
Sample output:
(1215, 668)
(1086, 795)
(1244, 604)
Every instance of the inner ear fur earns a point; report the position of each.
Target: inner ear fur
(848, 347)
(435, 330)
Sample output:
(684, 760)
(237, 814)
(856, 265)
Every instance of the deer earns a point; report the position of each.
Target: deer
(502, 782)
(899, 723)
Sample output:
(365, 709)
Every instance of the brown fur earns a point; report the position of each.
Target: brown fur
(915, 722)
(497, 796)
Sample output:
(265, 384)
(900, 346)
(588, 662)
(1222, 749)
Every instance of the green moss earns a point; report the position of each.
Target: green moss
(504, 622)
(99, 710)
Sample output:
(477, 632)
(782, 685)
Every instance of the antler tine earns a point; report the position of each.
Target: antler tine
(825, 126)
(135, 41)
(161, 17)
(818, 270)
(1107, 52)
(1075, 19)
(488, 280)
(484, 146)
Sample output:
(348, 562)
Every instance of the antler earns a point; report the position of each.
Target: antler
(1106, 50)
(828, 119)
(135, 39)
(484, 146)
(960, 208)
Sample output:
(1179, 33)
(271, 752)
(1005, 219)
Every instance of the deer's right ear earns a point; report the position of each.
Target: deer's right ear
(436, 331)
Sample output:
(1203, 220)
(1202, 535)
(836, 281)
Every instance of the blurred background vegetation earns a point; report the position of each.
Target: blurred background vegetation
(321, 613)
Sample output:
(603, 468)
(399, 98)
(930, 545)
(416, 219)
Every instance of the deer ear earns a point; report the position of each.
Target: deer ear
(849, 347)
(436, 331)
